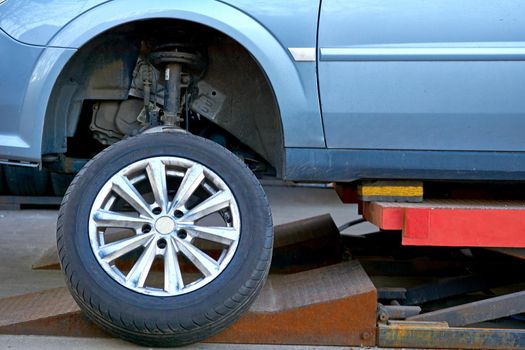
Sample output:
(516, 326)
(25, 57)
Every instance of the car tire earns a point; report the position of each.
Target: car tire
(126, 305)
(25, 181)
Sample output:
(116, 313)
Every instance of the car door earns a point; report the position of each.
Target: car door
(423, 74)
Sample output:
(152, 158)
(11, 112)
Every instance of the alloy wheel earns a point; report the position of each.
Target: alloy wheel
(164, 216)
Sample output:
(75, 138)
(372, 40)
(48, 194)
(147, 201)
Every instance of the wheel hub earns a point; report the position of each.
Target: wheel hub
(165, 225)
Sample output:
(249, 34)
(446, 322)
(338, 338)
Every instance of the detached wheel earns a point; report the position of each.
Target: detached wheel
(165, 239)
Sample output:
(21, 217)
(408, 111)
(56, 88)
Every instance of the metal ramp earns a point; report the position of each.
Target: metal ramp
(51, 312)
(333, 305)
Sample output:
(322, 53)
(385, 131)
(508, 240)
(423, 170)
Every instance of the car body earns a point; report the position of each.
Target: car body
(363, 88)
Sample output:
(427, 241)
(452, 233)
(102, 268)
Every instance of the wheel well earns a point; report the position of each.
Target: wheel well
(102, 70)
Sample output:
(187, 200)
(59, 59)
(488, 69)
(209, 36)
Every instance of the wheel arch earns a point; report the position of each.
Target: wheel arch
(298, 120)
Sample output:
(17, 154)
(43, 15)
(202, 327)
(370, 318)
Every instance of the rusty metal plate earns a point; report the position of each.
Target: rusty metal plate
(334, 305)
(437, 335)
(35, 306)
(51, 312)
(306, 244)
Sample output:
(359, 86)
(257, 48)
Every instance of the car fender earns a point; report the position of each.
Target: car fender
(300, 116)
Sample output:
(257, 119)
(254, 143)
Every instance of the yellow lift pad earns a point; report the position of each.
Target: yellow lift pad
(390, 191)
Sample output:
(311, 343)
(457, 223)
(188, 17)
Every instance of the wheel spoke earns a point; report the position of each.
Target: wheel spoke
(223, 235)
(129, 193)
(172, 274)
(115, 250)
(201, 260)
(218, 201)
(140, 271)
(192, 179)
(157, 177)
(107, 218)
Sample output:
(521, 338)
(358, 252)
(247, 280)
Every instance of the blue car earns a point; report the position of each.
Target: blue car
(167, 109)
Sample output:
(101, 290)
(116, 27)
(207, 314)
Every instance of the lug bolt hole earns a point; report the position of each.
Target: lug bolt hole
(146, 228)
(182, 234)
(161, 243)
(157, 211)
(178, 214)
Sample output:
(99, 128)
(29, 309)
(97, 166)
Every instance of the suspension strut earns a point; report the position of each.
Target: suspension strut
(172, 63)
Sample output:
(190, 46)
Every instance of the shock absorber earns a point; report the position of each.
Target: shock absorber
(172, 63)
(172, 105)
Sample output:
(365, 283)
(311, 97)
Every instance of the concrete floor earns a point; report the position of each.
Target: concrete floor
(62, 343)
(25, 235)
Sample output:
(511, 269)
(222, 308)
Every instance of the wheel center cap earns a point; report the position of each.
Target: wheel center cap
(165, 225)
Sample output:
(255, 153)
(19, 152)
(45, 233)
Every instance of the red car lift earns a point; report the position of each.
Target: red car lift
(452, 223)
